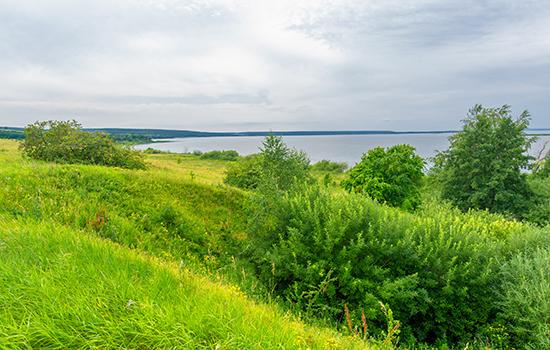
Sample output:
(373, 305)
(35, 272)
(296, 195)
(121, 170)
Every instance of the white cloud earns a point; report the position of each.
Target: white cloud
(224, 64)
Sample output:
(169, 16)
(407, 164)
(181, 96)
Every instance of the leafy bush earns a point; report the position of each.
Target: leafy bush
(539, 210)
(277, 167)
(221, 155)
(391, 176)
(282, 167)
(329, 166)
(66, 142)
(482, 169)
(542, 166)
(245, 173)
(526, 302)
(319, 251)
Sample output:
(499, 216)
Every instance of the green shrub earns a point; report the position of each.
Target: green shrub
(319, 251)
(526, 299)
(329, 166)
(482, 169)
(542, 166)
(539, 210)
(66, 142)
(282, 167)
(245, 173)
(276, 168)
(391, 176)
(221, 155)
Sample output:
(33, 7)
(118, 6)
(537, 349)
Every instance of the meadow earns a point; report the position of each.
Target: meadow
(172, 257)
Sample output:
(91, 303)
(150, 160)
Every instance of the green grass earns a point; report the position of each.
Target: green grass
(97, 257)
(66, 289)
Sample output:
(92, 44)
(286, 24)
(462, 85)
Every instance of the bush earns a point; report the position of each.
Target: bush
(282, 167)
(245, 172)
(276, 168)
(66, 142)
(391, 176)
(526, 299)
(221, 155)
(319, 251)
(329, 166)
(482, 169)
(542, 166)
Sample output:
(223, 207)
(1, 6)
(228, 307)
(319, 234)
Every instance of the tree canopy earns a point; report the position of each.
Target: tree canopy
(391, 176)
(482, 169)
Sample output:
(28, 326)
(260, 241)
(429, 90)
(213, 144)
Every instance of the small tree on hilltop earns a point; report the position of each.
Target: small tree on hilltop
(482, 169)
(391, 176)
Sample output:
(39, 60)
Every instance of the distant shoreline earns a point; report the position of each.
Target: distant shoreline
(142, 136)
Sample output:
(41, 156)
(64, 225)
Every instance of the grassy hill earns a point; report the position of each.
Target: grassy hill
(96, 257)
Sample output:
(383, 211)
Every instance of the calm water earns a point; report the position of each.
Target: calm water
(341, 148)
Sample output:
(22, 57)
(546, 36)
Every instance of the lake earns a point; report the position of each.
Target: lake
(340, 148)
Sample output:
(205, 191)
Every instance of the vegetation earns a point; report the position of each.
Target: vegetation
(221, 155)
(277, 167)
(329, 166)
(174, 256)
(65, 142)
(482, 169)
(11, 133)
(245, 173)
(391, 176)
(68, 286)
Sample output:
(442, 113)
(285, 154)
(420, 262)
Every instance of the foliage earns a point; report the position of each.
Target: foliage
(391, 176)
(65, 289)
(282, 167)
(65, 142)
(526, 302)
(277, 167)
(539, 210)
(329, 166)
(229, 155)
(11, 133)
(542, 167)
(320, 251)
(482, 169)
(245, 173)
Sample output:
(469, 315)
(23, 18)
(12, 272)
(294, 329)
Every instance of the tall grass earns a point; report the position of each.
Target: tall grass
(63, 289)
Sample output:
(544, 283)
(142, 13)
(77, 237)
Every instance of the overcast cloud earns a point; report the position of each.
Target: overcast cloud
(279, 65)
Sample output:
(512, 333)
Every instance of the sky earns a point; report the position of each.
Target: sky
(224, 65)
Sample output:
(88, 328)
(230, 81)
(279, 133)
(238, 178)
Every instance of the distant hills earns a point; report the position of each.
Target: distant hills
(148, 135)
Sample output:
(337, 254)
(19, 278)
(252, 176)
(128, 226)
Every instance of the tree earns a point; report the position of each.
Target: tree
(482, 169)
(282, 166)
(277, 167)
(391, 176)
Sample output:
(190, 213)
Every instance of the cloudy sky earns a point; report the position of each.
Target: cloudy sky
(272, 65)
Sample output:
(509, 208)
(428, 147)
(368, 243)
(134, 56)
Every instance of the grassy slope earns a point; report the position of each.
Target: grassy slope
(63, 286)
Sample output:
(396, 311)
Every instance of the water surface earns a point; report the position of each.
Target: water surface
(340, 148)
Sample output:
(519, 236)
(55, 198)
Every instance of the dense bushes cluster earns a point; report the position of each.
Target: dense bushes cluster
(229, 155)
(391, 176)
(439, 273)
(66, 142)
(276, 167)
(245, 173)
(329, 166)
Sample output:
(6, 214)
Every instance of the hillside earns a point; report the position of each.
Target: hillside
(77, 245)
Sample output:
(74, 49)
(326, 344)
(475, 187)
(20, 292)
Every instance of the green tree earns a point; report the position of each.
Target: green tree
(391, 176)
(482, 169)
(282, 166)
(276, 168)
